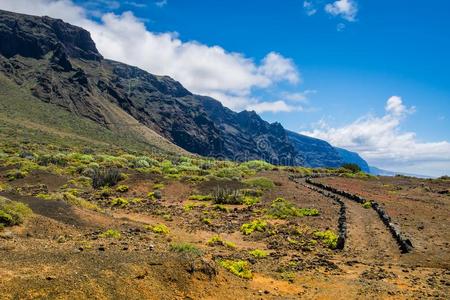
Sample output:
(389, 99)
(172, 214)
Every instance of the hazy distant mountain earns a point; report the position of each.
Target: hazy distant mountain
(381, 172)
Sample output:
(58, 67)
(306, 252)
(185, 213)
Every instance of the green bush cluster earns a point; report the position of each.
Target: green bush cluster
(12, 212)
(328, 237)
(158, 228)
(255, 225)
(110, 233)
(260, 183)
(218, 241)
(257, 253)
(283, 209)
(239, 268)
(185, 248)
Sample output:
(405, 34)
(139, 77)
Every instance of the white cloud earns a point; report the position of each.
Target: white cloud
(209, 70)
(395, 106)
(277, 106)
(346, 9)
(299, 96)
(309, 8)
(382, 143)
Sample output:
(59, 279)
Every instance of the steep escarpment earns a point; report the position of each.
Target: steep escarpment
(58, 63)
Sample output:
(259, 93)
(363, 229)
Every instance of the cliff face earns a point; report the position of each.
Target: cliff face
(59, 64)
(317, 153)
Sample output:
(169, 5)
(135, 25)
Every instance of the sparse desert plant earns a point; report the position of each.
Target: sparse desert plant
(185, 248)
(106, 177)
(367, 204)
(201, 197)
(288, 276)
(231, 172)
(227, 196)
(158, 228)
(57, 159)
(216, 240)
(257, 165)
(12, 212)
(79, 202)
(119, 202)
(251, 192)
(16, 174)
(250, 200)
(122, 188)
(221, 207)
(255, 225)
(328, 237)
(260, 182)
(239, 268)
(158, 186)
(207, 221)
(257, 253)
(283, 209)
(110, 233)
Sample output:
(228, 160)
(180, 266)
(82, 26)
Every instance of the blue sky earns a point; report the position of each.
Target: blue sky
(321, 67)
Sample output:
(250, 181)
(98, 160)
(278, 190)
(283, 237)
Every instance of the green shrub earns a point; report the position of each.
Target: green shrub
(159, 229)
(250, 200)
(12, 212)
(79, 202)
(255, 225)
(119, 202)
(258, 253)
(58, 160)
(251, 192)
(227, 196)
(122, 188)
(185, 248)
(328, 237)
(221, 207)
(257, 165)
(105, 177)
(16, 174)
(260, 182)
(288, 276)
(158, 186)
(367, 204)
(230, 173)
(201, 197)
(283, 209)
(239, 268)
(110, 233)
(207, 221)
(218, 241)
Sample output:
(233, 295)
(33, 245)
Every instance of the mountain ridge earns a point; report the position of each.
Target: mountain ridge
(60, 64)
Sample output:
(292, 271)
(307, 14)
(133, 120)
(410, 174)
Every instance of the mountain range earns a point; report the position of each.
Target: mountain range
(50, 68)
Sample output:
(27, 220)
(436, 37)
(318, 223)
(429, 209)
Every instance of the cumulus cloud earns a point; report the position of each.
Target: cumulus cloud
(346, 9)
(381, 141)
(276, 106)
(209, 70)
(395, 106)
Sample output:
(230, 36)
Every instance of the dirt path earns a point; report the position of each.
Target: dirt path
(368, 240)
(367, 237)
